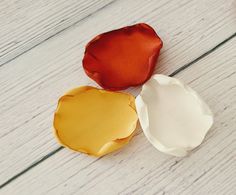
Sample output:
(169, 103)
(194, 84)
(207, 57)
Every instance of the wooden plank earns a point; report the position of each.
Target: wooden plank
(32, 83)
(139, 168)
(27, 23)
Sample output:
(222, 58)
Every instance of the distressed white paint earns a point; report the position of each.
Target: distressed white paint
(31, 84)
(26, 23)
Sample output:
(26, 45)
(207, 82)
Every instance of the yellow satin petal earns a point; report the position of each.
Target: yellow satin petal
(95, 121)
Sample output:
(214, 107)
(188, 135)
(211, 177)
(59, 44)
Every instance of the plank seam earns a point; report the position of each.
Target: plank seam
(31, 166)
(203, 55)
(59, 32)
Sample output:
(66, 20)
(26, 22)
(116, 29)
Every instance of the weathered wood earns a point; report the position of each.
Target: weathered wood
(139, 168)
(31, 84)
(27, 23)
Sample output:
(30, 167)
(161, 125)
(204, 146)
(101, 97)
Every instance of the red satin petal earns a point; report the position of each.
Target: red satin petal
(122, 58)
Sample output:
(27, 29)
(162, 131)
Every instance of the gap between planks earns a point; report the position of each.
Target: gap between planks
(172, 74)
(57, 33)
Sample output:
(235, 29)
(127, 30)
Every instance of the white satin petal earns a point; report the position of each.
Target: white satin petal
(174, 118)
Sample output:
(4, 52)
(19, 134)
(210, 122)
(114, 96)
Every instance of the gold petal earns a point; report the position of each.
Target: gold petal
(95, 121)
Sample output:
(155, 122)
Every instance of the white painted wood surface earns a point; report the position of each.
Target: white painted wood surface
(26, 23)
(31, 83)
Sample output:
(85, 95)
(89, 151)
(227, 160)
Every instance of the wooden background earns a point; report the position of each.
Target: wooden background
(41, 48)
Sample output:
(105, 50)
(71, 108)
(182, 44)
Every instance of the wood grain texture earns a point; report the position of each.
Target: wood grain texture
(32, 83)
(141, 169)
(27, 23)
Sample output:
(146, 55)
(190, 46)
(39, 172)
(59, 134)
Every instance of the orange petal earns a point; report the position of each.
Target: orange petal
(95, 121)
(122, 58)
